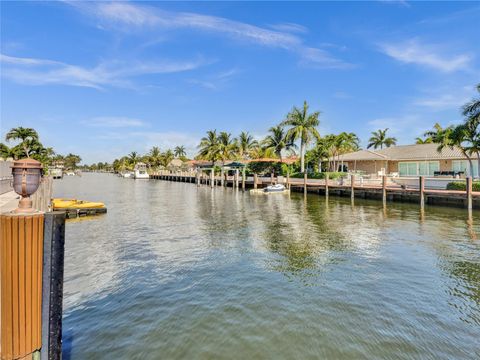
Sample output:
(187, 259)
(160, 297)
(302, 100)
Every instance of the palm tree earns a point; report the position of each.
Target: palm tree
(179, 151)
(472, 109)
(451, 136)
(26, 135)
(245, 143)
(154, 156)
(277, 141)
(208, 148)
(226, 146)
(379, 139)
(167, 157)
(424, 140)
(303, 126)
(133, 158)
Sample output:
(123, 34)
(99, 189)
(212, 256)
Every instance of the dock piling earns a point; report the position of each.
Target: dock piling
(255, 181)
(352, 186)
(422, 192)
(469, 192)
(305, 177)
(326, 184)
(384, 189)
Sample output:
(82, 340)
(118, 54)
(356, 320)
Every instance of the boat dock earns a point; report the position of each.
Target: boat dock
(352, 188)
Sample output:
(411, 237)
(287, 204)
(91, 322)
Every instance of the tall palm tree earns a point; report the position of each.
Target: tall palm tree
(167, 157)
(27, 136)
(208, 149)
(179, 151)
(380, 139)
(277, 141)
(133, 158)
(226, 146)
(303, 126)
(154, 156)
(472, 109)
(423, 140)
(245, 143)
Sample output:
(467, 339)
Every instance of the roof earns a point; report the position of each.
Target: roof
(406, 152)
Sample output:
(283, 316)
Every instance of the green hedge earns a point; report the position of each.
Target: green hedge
(458, 185)
(331, 175)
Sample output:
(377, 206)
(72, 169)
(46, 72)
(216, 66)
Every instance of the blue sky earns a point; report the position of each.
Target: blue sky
(104, 79)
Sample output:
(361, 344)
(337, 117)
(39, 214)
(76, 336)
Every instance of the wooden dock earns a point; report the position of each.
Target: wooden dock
(385, 192)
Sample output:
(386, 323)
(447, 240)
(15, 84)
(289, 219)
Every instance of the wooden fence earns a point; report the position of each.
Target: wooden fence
(43, 195)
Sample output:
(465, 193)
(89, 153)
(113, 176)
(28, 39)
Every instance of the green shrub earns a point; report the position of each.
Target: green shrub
(458, 185)
(331, 175)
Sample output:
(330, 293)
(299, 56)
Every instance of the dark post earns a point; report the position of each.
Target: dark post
(422, 192)
(52, 288)
(469, 192)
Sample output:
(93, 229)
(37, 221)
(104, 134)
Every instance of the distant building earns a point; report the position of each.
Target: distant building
(408, 160)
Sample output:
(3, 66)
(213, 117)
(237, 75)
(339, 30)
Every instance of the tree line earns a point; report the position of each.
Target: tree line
(296, 135)
(29, 146)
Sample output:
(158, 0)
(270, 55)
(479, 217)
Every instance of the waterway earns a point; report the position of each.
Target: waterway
(173, 271)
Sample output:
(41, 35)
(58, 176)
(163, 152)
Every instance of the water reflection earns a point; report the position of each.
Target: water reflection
(188, 271)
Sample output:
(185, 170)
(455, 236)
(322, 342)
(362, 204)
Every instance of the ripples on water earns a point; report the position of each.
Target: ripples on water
(174, 271)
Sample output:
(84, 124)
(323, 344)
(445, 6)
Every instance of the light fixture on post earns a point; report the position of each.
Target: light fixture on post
(27, 174)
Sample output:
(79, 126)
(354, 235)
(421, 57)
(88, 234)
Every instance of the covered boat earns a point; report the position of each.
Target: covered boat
(59, 204)
(275, 188)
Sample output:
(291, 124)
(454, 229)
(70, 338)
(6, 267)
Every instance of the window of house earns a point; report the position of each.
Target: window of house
(464, 165)
(414, 168)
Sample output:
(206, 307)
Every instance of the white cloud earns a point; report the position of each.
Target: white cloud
(414, 52)
(216, 81)
(114, 122)
(445, 98)
(133, 17)
(109, 73)
(290, 27)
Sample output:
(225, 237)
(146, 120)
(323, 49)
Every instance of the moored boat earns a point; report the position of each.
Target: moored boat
(63, 204)
(140, 171)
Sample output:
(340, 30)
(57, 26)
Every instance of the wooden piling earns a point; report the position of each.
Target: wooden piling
(272, 177)
(352, 186)
(243, 179)
(255, 181)
(422, 191)
(305, 178)
(326, 183)
(469, 192)
(222, 177)
(288, 180)
(384, 188)
(212, 178)
(236, 178)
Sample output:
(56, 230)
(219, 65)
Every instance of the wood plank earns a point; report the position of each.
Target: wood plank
(28, 283)
(22, 283)
(15, 290)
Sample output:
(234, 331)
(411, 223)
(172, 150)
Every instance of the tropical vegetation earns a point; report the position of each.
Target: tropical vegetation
(26, 144)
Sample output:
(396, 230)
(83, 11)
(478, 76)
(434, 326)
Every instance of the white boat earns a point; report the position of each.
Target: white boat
(275, 188)
(56, 173)
(70, 173)
(140, 171)
(126, 174)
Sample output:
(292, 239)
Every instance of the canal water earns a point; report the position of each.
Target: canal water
(179, 272)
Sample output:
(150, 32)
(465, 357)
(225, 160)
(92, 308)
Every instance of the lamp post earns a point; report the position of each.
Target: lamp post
(27, 174)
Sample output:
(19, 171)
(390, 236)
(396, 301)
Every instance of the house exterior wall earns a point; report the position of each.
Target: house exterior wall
(374, 166)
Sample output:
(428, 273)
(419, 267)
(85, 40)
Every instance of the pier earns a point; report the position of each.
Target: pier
(352, 187)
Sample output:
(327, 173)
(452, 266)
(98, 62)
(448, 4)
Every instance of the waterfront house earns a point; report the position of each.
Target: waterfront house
(407, 160)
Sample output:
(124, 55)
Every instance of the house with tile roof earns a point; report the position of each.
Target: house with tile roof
(408, 160)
